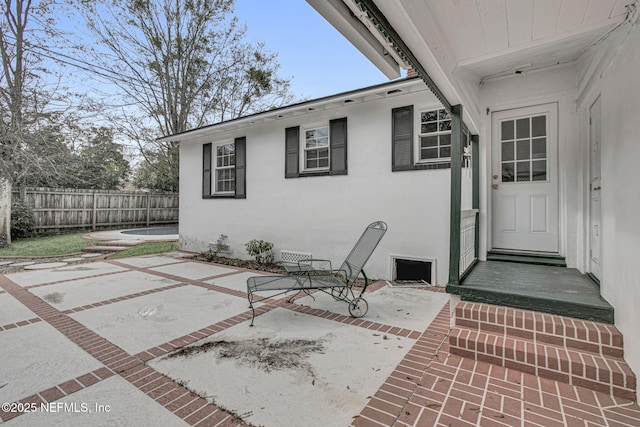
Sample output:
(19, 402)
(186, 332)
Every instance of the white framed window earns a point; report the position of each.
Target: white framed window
(315, 149)
(434, 136)
(225, 168)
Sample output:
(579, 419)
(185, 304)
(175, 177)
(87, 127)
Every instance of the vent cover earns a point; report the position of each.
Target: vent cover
(412, 271)
(294, 257)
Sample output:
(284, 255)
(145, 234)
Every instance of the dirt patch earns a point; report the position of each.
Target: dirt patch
(261, 353)
(55, 298)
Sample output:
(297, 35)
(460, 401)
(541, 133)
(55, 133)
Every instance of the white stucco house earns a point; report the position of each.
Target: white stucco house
(520, 135)
(311, 176)
(551, 90)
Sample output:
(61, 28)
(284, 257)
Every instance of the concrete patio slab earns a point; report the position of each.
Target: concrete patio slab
(238, 282)
(407, 308)
(36, 357)
(112, 402)
(330, 369)
(30, 278)
(149, 261)
(12, 311)
(77, 293)
(194, 270)
(297, 366)
(45, 265)
(148, 321)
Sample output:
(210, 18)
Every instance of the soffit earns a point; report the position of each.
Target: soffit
(487, 38)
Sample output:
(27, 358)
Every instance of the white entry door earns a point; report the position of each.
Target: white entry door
(595, 189)
(524, 179)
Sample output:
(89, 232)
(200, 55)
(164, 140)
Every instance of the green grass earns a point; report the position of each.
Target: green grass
(45, 246)
(146, 249)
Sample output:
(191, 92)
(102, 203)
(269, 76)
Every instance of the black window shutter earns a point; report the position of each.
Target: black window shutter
(402, 138)
(292, 157)
(241, 167)
(206, 170)
(338, 144)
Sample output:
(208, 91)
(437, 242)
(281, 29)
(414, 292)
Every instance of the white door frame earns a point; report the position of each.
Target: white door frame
(594, 255)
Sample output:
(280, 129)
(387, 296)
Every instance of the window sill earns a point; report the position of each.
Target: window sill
(424, 166)
(317, 173)
(220, 196)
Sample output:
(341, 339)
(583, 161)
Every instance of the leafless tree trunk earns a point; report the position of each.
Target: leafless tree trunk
(12, 31)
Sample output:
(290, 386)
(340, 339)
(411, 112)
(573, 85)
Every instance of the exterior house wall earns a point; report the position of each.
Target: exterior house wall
(324, 215)
(618, 85)
(556, 85)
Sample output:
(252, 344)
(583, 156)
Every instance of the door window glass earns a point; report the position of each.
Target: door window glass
(524, 149)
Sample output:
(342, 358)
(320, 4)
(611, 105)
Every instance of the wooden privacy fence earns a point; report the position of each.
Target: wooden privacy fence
(63, 209)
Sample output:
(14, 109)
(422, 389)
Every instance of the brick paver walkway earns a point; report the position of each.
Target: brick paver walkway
(429, 387)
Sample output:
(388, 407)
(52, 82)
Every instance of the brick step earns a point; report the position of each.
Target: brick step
(578, 352)
(101, 248)
(568, 332)
(595, 371)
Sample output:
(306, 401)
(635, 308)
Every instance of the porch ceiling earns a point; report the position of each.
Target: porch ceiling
(493, 37)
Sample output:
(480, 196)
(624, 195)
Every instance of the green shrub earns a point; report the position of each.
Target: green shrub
(22, 220)
(261, 251)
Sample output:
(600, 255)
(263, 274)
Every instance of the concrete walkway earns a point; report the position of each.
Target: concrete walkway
(164, 340)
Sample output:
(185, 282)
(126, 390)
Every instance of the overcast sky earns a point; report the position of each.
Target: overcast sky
(318, 58)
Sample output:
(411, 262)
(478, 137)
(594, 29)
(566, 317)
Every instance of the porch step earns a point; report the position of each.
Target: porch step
(554, 290)
(578, 352)
(527, 258)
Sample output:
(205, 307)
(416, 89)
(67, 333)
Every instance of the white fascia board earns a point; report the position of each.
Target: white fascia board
(308, 107)
(341, 18)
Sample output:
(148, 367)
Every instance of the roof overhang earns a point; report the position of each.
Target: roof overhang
(372, 45)
(328, 103)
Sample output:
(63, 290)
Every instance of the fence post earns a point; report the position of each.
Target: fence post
(93, 216)
(148, 208)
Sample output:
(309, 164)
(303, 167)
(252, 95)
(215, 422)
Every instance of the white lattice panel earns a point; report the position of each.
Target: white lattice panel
(294, 257)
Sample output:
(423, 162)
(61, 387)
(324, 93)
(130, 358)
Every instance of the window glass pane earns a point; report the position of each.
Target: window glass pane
(539, 172)
(323, 163)
(429, 116)
(507, 130)
(523, 152)
(539, 126)
(445, 151)
(444, 114)
(539, 148)
(524, 172)
(522, 128)
(507, 172)
(446, 125)
(445, 139)
(428, 141)
(323, 153)
(323, 142)
(322, 132)
(429, 153)
(430, 127)
(507, 151)
(312, 154)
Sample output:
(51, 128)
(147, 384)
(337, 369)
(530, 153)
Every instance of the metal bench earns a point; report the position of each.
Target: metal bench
(317, 274)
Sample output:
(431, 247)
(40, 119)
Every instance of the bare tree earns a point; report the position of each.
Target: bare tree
(183, 64)
(15, 61)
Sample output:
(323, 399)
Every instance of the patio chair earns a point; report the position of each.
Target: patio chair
(317, 274)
